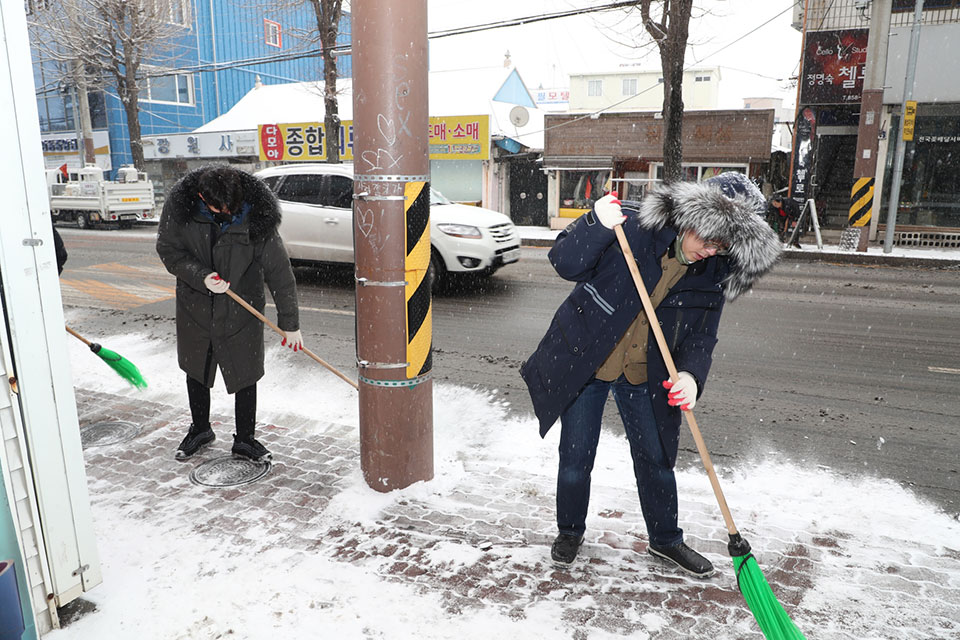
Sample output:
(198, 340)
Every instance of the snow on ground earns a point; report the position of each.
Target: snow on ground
(882, 563)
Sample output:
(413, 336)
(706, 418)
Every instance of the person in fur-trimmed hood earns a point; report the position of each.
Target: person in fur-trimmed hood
(696, 245)
(218, 231)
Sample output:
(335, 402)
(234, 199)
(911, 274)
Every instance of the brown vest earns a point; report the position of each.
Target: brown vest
(629, 357)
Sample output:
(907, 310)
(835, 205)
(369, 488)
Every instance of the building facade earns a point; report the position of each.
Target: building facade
(630, 89)
(586, 156)
(855, 50)
(223, 48)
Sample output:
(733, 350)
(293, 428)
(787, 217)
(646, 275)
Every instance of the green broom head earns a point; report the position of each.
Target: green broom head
(772, 619)
(127, 370)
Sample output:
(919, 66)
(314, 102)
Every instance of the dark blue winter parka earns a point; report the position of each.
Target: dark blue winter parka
(604, 302)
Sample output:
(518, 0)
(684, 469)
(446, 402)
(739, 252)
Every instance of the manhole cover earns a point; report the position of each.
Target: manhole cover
(228, 472)
(101, 434)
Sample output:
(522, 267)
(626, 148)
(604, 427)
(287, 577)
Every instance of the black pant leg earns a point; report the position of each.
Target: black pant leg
(245, 407)
(199, 396)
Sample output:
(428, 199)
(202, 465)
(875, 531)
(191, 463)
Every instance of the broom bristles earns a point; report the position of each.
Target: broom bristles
(767, 610)
(126, 369)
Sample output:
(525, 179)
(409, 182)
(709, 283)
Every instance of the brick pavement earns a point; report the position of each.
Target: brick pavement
(484, 543)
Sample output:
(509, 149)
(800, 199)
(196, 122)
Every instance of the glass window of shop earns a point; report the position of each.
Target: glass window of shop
(930, 186)
(697, 172)
(580, 189)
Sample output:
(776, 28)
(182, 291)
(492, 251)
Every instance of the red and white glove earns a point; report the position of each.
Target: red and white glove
(215, 283)
(294, 340)
(607, 210)
(683, 392)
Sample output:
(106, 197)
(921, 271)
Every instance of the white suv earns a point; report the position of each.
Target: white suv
(317, 225)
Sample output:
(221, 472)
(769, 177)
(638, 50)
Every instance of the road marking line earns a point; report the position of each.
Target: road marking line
(944, 370)
(338, 312)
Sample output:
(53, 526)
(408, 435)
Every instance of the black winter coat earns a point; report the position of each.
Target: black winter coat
(214, 329)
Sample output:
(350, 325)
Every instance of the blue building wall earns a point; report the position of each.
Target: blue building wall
(223, 32)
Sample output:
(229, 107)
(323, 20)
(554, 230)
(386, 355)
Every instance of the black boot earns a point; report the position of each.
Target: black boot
(565, 548)
(195, 439)
(250, 449)
(685, 558)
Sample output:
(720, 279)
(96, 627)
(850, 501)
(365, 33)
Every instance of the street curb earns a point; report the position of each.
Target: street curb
(854, 258)
(869, 259)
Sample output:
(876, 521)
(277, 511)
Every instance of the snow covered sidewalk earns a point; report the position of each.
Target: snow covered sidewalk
(310, 552)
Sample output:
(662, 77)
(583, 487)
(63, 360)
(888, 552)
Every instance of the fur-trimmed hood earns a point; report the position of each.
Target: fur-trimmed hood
(728, 208)
(264, 214)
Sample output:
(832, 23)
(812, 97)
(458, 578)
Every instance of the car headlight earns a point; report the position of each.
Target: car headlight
(460, 230)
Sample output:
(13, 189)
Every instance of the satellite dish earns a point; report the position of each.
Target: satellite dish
(519, 116)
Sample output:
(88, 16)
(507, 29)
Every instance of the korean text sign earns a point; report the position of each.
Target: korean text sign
(833, 66)
(451, 138)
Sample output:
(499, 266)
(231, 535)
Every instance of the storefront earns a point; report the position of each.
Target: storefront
(930, 187)
(584, 157)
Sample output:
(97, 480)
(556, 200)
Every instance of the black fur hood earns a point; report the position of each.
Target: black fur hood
(727, 207)
(264, 214)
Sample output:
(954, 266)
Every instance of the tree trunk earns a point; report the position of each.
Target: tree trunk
(129, 93)
(331, 121)
(672, 51)
(327, 13)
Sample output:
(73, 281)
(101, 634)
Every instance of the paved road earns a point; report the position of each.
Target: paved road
(853, 368)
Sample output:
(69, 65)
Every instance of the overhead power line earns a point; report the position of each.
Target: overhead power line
(444, 33)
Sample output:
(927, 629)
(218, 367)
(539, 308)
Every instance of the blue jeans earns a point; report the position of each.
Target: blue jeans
(580, 433)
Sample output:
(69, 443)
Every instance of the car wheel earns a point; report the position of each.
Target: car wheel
(82, 221)
(436, 272)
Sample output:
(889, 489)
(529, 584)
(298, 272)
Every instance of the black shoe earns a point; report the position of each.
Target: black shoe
(195, 439)
(250, 449)
(685, 558)
(565, 547)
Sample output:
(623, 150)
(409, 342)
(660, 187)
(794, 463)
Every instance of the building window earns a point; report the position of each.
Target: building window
(272, 33)
(175, 89)
(594, 87)
(580, 189)
(173, 11)
(660, 80)
(702, 79)
(629, 86)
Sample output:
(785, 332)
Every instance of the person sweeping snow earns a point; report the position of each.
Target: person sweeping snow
(218, 231)
(696, 245)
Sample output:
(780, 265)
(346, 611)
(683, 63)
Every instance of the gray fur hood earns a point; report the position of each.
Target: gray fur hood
(264, 214)
(728, 208)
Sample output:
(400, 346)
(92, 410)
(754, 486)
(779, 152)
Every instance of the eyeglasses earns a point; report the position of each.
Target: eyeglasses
(718, 247)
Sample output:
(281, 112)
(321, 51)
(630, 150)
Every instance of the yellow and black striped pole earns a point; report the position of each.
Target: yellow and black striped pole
(416, 208)
(861, 203)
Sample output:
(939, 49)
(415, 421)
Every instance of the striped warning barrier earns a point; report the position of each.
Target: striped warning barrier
(861, 202)
(416, 211)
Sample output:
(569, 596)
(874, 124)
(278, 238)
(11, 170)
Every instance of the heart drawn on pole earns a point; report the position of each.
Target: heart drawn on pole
(387, 129)
(365, 221)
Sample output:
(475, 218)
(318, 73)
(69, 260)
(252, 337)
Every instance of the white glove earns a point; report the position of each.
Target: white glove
(215, 283)
(683, 392)
(294, 340)
(607, 210)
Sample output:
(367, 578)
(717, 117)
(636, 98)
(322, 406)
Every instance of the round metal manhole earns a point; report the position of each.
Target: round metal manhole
(101, 434)
(228, 472)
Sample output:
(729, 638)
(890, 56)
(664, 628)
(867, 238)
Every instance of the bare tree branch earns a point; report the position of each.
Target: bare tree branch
(109, 41)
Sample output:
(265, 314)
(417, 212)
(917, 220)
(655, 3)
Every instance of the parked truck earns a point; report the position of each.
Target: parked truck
(88, 199)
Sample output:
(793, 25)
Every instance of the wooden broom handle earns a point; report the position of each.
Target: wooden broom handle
(672, 368)
(243, 303)
(77, 335)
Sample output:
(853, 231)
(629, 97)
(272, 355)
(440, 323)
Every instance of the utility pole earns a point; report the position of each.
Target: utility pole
(906, 126)
(391, 237)
(87, 153)
(871, 105)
